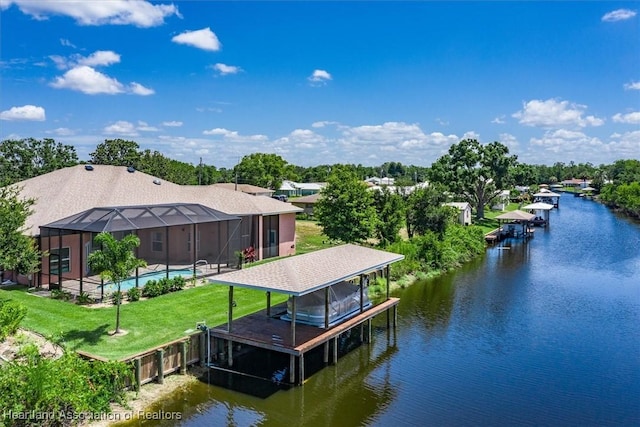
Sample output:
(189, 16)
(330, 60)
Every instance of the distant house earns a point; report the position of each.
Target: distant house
(245, 188)
(576, 183)
(501, 201)
(464, 211)
(374, 180)
(296, 189)
(178, 225)
(306, 202)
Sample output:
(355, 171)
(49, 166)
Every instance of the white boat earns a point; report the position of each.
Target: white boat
(344, 302)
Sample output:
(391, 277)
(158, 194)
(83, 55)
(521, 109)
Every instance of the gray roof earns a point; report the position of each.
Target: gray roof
(312, 198)
(516, 215)
(127, 218)
(302, 274)
(72, 190)
(245, 188)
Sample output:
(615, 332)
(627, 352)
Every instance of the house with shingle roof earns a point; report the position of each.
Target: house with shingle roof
(176, 224)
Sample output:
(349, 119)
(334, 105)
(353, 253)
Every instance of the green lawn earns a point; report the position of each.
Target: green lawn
(149, 323)
(152, 322)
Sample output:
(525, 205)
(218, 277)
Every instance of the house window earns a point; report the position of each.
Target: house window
(197, 242)
(59, 257)
(156, 241)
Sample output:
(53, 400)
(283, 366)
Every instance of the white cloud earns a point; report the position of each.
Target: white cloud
(121, 127)
(442, 122)
(99, 58)
(138, 89)
(553, 113)
(471, 135)
(632, 86)
(26, 112)
(509, 140)
(319, 77)
(234, 136)
(87, 80)
(115, 12)
(173, 124)
(225, 69)
(623, 146)
(202, 39)
(324, 123)
(567, 142)
(61, 132)
(96, 59)
(499, 120)
(631, 118)
(618, 15)
(67, 43)
(144, 126)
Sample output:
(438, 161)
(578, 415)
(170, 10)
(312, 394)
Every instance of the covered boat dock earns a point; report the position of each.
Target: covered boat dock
(276, 329)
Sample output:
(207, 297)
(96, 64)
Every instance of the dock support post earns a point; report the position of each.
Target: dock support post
(268, 304)
(293, 321)
(395, 316)
(183, 357)
(292, 369)
(230, 352)
(301, 369)
(160, 362)
(325, 357)
(335, 350)
(203, 350)
(230, 312)
(369, 331)
(138, 372)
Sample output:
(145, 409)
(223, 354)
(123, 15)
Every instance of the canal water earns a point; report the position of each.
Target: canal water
(545, 332)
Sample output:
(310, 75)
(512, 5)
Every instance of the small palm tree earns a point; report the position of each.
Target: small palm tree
(115, 262)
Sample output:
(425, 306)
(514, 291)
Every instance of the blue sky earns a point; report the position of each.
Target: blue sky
(325, 82)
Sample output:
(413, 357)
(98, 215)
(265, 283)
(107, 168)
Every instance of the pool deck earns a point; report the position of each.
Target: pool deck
(92, 285)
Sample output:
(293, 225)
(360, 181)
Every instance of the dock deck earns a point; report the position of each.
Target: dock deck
(272, 333)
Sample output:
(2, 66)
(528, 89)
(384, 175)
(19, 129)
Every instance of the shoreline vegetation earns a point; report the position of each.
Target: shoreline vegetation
(50, 317)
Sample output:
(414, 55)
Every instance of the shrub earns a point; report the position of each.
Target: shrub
(151, 289)
(178, 283)
(11, 314)
(62, 386)
(133, 294)
(116, 297)
(61, 294)
(83, 298)
(165, 285)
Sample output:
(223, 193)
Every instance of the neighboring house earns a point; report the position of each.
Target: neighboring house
(464, 211)
(576, 183)
(307, 203)
(296, 189)
(176, 224)
(245, 188)
(501, 201)
(380, 181)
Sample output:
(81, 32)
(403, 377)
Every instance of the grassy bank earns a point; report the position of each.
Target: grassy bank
(149, 323)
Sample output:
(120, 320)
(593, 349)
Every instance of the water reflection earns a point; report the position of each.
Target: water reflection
(545, 332)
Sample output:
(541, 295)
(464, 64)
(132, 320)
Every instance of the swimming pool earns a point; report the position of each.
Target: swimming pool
(129, 283)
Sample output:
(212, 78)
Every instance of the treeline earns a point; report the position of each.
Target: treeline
(25, 158)
(623, 191)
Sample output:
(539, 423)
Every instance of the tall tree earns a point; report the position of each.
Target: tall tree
(18, 251)
(263, 170)
(116, 152)
(390, 208)
(477, 173)
(345, 211)
(427, 212)
(115, 262)
(26, 158)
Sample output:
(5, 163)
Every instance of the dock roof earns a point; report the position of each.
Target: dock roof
(302, 274)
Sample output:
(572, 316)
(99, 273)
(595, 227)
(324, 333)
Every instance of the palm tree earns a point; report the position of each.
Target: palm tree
(115, 262)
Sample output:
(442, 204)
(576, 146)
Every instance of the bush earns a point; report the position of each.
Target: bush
(165, 285)
(178, 283)
(151, 289)
(133, 294)
(61, 294)
(116, 297)
(83, 298)
(11, 314)
(68, 385)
